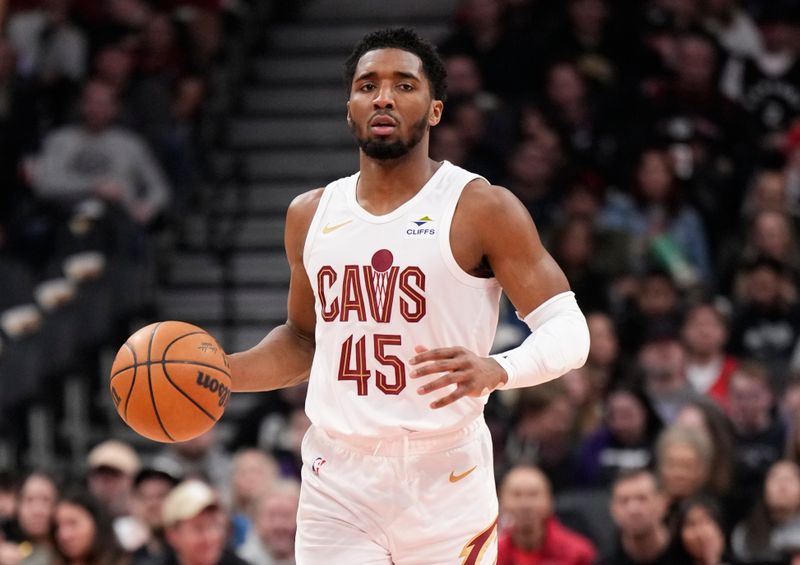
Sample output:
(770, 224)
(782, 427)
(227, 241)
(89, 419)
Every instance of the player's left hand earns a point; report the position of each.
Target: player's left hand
(473, 375)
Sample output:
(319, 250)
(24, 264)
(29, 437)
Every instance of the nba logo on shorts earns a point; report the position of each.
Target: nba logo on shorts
(317, 464)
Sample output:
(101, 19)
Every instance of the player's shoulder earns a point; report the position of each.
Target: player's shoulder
(304, 205)
(483, 199)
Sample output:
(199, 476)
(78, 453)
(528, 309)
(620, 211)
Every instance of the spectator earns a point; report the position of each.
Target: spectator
(604, 363)
(683, 459)
(533, 169)
(708, 420)
(733, 27)
(195, 527)
(112, 466)
(271, 539)
(654, 312)
(482, 34)
(700, 532)
(771, 236)
(586, 400)
(201, 458)
(766, 322)
(533, 533)
(97, 159)
(83, 532)
(638, 507)
(481, 133)
(708, 367)
(775, 516)
(589, 39)
(579, 117)
(662, 363)
(254, 472)
(625, 441)
(52, 52)
(768, 192)
(464, 81)
(666, 230)
(767, 84)
(759, 435)
(541, 432)
(574, 249)
(28, 538)
(144, 537)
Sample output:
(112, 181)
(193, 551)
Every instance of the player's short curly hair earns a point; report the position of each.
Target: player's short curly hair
(407, 40)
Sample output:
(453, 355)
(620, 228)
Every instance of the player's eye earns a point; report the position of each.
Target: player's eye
(405, 87)
(367, 87)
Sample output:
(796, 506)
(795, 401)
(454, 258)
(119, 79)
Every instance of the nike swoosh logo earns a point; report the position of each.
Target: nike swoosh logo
(329, 229)
(455, 478)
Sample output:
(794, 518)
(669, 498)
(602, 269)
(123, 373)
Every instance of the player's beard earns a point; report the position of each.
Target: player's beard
(382, 149)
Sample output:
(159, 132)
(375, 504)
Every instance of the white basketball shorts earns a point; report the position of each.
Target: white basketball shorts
(413, 501)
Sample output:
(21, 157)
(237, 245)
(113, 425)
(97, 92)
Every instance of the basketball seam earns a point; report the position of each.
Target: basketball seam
(133, 380)
(179, 389)
(168, 362)
(150, 382)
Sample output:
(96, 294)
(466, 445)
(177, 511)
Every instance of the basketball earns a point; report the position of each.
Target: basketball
(170, 381)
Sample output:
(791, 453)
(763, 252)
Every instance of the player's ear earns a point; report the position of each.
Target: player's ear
(349, 119)
(435, 113)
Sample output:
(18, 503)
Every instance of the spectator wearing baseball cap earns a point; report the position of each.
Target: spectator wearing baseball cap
(112, 466)
(195, 527)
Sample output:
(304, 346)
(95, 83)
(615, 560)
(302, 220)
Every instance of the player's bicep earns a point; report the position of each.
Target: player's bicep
(301, 315)
(527, 272)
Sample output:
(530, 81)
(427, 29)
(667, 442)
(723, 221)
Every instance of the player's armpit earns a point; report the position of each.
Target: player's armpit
(511, 244)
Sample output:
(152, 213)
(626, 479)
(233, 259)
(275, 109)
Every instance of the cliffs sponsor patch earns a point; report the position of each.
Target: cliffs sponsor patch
(421, 228)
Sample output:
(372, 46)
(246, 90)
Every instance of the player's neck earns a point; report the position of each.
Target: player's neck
(383, 185)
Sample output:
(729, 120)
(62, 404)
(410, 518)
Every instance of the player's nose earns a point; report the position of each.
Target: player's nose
(383, 98)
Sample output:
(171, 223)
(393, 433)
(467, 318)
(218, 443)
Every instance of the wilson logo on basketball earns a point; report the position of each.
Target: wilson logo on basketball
(212, 384)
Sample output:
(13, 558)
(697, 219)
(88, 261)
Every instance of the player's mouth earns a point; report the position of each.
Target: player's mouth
(382, 125)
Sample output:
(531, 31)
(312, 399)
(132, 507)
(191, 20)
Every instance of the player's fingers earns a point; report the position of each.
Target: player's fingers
(420, 349)
(434, 367)
(441, 382)
(450, 398)
(434, 355)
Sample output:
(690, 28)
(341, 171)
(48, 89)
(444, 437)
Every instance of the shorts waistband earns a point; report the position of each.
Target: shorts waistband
(414, 443)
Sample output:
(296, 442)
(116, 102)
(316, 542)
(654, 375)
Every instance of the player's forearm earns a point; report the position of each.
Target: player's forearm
(558, 343)
(282, 359)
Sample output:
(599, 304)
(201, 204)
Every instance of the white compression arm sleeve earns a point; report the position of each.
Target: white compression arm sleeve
(559, 342)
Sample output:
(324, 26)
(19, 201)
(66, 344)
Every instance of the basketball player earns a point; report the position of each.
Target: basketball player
(393, 303)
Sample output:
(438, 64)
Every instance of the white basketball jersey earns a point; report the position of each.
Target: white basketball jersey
(384, 284)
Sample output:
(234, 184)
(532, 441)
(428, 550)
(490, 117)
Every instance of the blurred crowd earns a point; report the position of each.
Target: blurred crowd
(656, 144)
(104, 130)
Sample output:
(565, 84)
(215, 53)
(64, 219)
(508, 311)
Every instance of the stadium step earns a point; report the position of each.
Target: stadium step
(206, 306)
(298, 131)
(315, 165)
(246, 268)
(248, 232)
(301, 69)
(259, 198)
(305, 100)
